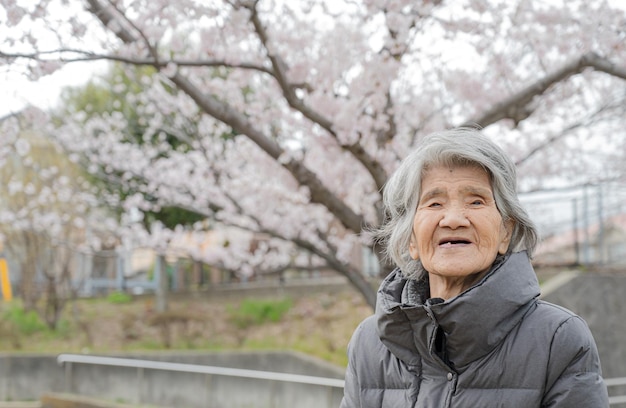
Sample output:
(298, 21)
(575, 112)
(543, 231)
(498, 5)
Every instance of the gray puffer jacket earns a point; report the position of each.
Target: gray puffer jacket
(494, 345)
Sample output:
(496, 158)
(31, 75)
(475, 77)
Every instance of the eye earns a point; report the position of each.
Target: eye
(477, 201)
(434, 204)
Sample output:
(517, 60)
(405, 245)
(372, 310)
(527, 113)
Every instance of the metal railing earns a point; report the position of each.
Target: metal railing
(244, 373)
(614, 382)
(193, 368)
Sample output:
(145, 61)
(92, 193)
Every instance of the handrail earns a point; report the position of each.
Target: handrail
(612, 382)
(243, 373)
(194, 368)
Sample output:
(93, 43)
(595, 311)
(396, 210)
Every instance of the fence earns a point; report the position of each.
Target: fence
(616, 382)
(330, 397)
(583, 225)
(190, 385)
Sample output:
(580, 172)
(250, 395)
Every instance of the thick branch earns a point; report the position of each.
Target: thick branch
(239, 123)
(279, 69)
(516, 106)
(605, 65)
(109, 20)
(352, 274)
(225, 113)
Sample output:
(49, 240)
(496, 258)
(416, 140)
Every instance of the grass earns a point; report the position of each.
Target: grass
(119, 298)
(317, 324)
(251, 312)
(26, 323)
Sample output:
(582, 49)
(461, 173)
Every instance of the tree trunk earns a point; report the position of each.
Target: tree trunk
(366, 288)
(27, 286)
(162, 284)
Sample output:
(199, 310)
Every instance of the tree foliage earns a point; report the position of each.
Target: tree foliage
(301, 110)
(111, 93)
(48, 216)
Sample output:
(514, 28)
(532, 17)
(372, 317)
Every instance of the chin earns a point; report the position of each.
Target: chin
(457, 271)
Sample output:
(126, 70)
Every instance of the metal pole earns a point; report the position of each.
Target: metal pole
(119, 281)
(586, 253)
(601, 249)
(575, 229)
(162, 281)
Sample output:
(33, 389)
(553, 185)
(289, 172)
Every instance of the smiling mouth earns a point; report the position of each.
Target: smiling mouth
(454, 242)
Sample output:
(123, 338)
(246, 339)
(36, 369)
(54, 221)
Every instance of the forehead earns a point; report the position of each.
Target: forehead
(463, 176)
(478, 171)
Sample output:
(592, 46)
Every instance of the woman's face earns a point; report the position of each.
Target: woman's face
(457, 229)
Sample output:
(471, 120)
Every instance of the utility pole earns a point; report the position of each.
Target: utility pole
(601, 249)
(160, 274)
(586, 248)
(575, 229)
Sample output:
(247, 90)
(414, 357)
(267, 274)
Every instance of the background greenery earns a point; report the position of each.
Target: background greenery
(318, 324)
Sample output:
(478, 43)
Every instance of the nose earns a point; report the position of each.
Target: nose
(454, 217)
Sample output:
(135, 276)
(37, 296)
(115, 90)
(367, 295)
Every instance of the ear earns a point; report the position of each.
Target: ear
(506, 233)
(413, 248)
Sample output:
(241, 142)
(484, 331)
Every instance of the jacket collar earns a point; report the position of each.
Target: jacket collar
(474, 322)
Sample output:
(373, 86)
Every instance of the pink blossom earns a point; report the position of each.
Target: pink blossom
(246, 125)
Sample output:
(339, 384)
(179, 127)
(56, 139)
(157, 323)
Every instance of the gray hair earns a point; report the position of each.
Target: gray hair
(457, 147)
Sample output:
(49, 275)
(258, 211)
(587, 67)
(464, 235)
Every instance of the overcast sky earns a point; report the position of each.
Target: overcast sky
(18, 91)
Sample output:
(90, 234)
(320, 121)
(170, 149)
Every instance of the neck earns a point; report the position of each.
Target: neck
(446, 287)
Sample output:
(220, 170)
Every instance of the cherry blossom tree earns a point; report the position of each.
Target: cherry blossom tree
(293, 114)
(49, 214)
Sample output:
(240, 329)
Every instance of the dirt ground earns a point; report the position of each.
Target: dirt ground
(317, 324)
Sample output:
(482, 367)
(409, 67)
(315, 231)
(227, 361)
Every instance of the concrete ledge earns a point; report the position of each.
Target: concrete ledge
(60, 400)
(20, 404)
(26, 377)
(556, 282)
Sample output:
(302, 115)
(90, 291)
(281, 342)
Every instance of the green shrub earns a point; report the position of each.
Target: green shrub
(25, 322)
(255, 311)
(118, 298)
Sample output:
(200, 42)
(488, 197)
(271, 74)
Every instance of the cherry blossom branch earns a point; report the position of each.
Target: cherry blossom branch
(279, 69)
(110, 21)
(318, 192)
(83, 56)
(354, 276)
(9, 116)
(228, 115)
(593, 117)
(327, 254)
(516, 107)
(151, 47)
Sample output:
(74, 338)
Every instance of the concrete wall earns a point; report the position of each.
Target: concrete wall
(600, 299)
(28, 377)
(597, 297)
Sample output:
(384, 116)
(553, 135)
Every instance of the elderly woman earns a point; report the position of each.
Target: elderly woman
(459, 322)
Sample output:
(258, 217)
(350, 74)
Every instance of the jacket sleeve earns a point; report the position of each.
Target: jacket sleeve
(574, 373)
(351, 391)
